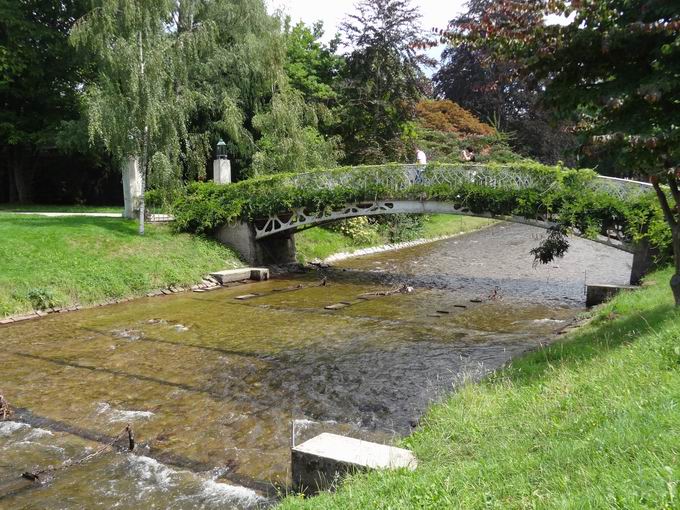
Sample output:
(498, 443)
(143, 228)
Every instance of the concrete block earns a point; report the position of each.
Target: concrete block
(259, 273)
(241, 273)
(318, 463)
(231, 275)
(597, 294)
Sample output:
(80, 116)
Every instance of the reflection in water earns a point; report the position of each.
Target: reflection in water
(214, 386)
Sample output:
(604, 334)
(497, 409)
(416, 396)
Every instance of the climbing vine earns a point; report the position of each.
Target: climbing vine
(528, 190)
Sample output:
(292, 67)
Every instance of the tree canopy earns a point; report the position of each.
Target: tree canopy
(39, 79)
(382, 81)
(613, 63)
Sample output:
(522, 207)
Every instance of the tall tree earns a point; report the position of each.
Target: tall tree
(231, 80)
(290, 140)
(615, 63)
(134, 105)
(383, 80)
(314, 68)
(493, 87)
(39, 76)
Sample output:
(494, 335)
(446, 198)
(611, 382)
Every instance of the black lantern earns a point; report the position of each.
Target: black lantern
(221, 150)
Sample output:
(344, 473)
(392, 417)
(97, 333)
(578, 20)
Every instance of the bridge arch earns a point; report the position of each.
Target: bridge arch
(392, 189)
(290, 222)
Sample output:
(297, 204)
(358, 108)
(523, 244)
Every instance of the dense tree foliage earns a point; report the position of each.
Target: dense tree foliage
(295, 129)
(39, 76)
(493, 87)
(382, 82)
(312, 66)
(616, 64)
(230, 81)
(450, 117)
(290, 140)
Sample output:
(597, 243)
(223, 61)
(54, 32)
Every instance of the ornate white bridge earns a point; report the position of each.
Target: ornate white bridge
(403, 178)
(413, 189)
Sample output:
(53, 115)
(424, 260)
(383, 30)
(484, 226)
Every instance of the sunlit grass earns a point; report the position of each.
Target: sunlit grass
(592, 421)
(319, 243)
(81, 260)
(62, 208)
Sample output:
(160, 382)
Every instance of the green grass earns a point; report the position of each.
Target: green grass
(437, 225)
(81, 260)
(590, 422)
(319, 243)
(62, 208)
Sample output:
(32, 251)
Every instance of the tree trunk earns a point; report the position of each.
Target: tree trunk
(145, 148)
(22, 172)
(12, 189)
(672, 220)
(142, 203)
(675, 280)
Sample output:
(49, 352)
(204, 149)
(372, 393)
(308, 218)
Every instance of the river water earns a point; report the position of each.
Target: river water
(217, 388)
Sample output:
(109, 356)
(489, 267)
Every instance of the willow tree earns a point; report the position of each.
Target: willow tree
(229, 80)
(134, 105)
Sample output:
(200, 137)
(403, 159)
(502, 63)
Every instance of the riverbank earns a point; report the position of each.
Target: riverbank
(320, 244)
(590, 421)
(81, 261)
(70, 262)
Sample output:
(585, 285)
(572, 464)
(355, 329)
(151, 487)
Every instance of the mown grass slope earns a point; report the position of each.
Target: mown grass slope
(319, 242)
(82, 260)
(592, 421)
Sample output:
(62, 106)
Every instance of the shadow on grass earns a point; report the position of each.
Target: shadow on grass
(604, 336)
(88, 223)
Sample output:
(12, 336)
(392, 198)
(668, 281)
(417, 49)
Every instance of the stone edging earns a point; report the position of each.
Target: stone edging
(208, 283)
(391, 247)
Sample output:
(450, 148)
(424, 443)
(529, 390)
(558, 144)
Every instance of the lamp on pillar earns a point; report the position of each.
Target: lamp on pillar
(221, 165)
(221, 150)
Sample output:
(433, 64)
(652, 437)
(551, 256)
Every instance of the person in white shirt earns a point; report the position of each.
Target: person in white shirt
(421, 157)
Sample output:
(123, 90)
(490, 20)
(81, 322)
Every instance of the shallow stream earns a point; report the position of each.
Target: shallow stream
(217, 388)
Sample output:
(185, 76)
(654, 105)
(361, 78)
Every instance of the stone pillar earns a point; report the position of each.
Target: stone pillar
(132, 187)
(643, 261)
(271, 250)
(221, 171)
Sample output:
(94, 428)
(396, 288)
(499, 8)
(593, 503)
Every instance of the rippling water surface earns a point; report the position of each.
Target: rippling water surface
(216, 388)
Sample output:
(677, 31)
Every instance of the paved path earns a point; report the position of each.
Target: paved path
(153, 218)
(61, 214)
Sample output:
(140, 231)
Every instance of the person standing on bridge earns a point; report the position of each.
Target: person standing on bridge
(421, 157)
(422, 161)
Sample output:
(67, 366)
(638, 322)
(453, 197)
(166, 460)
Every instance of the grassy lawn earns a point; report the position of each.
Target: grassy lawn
(590, 422)
(80, 260)
(319, 243)
(62, 208)
(437, 225)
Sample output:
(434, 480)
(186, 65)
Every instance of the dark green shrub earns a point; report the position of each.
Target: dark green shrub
(41, 299)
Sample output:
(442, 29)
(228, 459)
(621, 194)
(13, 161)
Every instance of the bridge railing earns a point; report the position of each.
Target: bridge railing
(622, 188)
(402, 177)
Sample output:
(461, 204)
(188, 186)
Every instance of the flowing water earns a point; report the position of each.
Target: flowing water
(216, 388)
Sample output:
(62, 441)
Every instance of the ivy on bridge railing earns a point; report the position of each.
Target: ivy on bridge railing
(580, 199)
